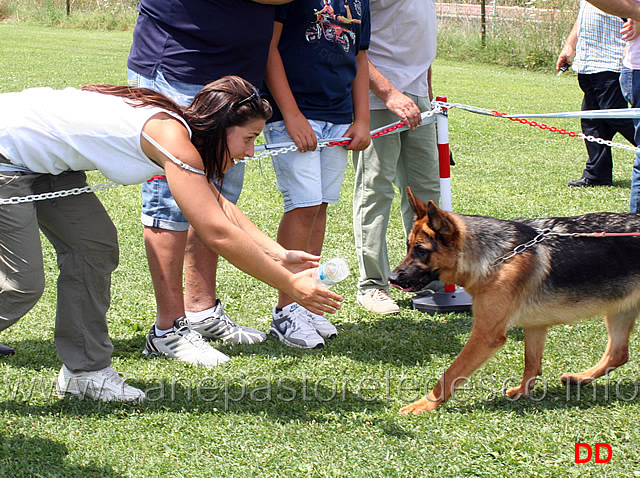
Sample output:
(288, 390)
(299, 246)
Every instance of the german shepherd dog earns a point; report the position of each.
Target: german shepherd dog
(533, 274)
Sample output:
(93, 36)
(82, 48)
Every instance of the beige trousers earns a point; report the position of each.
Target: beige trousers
(409, 158)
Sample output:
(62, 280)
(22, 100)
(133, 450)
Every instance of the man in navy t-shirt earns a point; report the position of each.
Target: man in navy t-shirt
(199, 41)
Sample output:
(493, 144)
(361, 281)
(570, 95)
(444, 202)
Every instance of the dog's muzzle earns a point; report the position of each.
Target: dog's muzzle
(411, 279)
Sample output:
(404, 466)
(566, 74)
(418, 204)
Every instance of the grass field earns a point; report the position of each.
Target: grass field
(278, 411)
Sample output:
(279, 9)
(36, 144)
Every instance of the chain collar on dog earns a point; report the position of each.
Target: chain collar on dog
(547, 233)
(522, 247)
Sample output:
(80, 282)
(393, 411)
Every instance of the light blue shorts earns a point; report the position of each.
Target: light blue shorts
(159, 209)
(311, 178)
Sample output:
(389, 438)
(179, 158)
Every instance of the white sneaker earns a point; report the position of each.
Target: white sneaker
(290, 326)
(219, 326)
(319, 322)
(378, 301)
(184, 344)
(105, 384)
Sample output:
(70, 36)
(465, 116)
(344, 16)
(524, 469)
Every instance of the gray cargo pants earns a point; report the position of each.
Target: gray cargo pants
(86, 244)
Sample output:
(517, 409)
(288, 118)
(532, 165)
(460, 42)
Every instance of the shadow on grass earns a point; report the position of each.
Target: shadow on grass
(554, 396)
(394, 339)
(282, 400)
(33, 456)
(624, 184)
(38, 353)
(311, 399)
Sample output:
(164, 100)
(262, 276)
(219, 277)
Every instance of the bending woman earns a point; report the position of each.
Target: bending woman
(49, 137)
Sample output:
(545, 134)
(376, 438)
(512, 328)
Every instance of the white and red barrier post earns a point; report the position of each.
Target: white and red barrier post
(444, 155)
(444, 158)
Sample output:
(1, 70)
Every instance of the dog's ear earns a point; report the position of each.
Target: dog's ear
(419, 208)
(440, 222)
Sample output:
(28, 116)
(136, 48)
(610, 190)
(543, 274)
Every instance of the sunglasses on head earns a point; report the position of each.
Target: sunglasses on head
(252, 97)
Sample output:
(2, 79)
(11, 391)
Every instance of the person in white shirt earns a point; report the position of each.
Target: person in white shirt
(50, 137)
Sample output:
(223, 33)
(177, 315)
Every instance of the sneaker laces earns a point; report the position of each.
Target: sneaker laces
(192, 336)
(111, 375)
(297, 320)
(227, 320)
(310, 316)
(381, 295)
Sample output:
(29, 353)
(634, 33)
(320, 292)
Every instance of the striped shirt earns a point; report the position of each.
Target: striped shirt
(600, 46)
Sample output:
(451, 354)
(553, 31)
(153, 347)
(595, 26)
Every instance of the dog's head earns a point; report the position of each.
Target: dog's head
(431, 247)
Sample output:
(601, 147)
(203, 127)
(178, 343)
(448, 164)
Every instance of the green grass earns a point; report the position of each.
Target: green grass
(278, 411)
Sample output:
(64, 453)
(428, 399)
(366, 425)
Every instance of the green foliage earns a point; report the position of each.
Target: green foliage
(90, 14)
(277, 411)
(528, 38)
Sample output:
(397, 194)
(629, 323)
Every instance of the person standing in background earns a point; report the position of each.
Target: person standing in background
(400, 84)
(317, 80)
(594, 49)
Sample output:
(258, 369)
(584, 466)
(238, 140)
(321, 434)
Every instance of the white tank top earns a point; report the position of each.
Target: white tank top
(52, 131)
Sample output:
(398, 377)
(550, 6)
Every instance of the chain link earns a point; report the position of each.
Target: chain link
(628, 147)
(487, 112)
(547, 233)
(522, 247)
(438, 107)
(57, 194)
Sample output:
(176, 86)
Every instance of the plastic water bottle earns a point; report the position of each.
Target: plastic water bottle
(332, 271)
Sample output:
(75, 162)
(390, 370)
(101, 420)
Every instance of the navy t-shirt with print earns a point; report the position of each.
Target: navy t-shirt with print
(320, 40)
(198, 41)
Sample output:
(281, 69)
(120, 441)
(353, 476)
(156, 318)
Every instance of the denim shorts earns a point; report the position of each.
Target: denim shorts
(159, 209)
(311, 178)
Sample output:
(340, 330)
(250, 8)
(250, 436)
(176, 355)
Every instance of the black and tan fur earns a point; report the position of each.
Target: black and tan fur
(559, 280)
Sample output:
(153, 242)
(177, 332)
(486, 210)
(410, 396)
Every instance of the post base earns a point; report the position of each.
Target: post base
(441, 302)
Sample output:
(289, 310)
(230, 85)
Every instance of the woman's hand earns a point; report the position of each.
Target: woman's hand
(313, 297)
(297, 261)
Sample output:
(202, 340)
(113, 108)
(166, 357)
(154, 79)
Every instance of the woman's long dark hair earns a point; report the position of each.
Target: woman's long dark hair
(222, 104)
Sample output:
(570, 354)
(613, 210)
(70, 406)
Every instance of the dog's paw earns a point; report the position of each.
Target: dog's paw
(575, 379)
(411, 409)
(419, 407)
(517, 392)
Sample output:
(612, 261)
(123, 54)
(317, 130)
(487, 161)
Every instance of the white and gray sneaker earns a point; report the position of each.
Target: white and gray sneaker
(319, 322)
(185, 344)
(291, 327)
(105, 384)
(219, 326)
